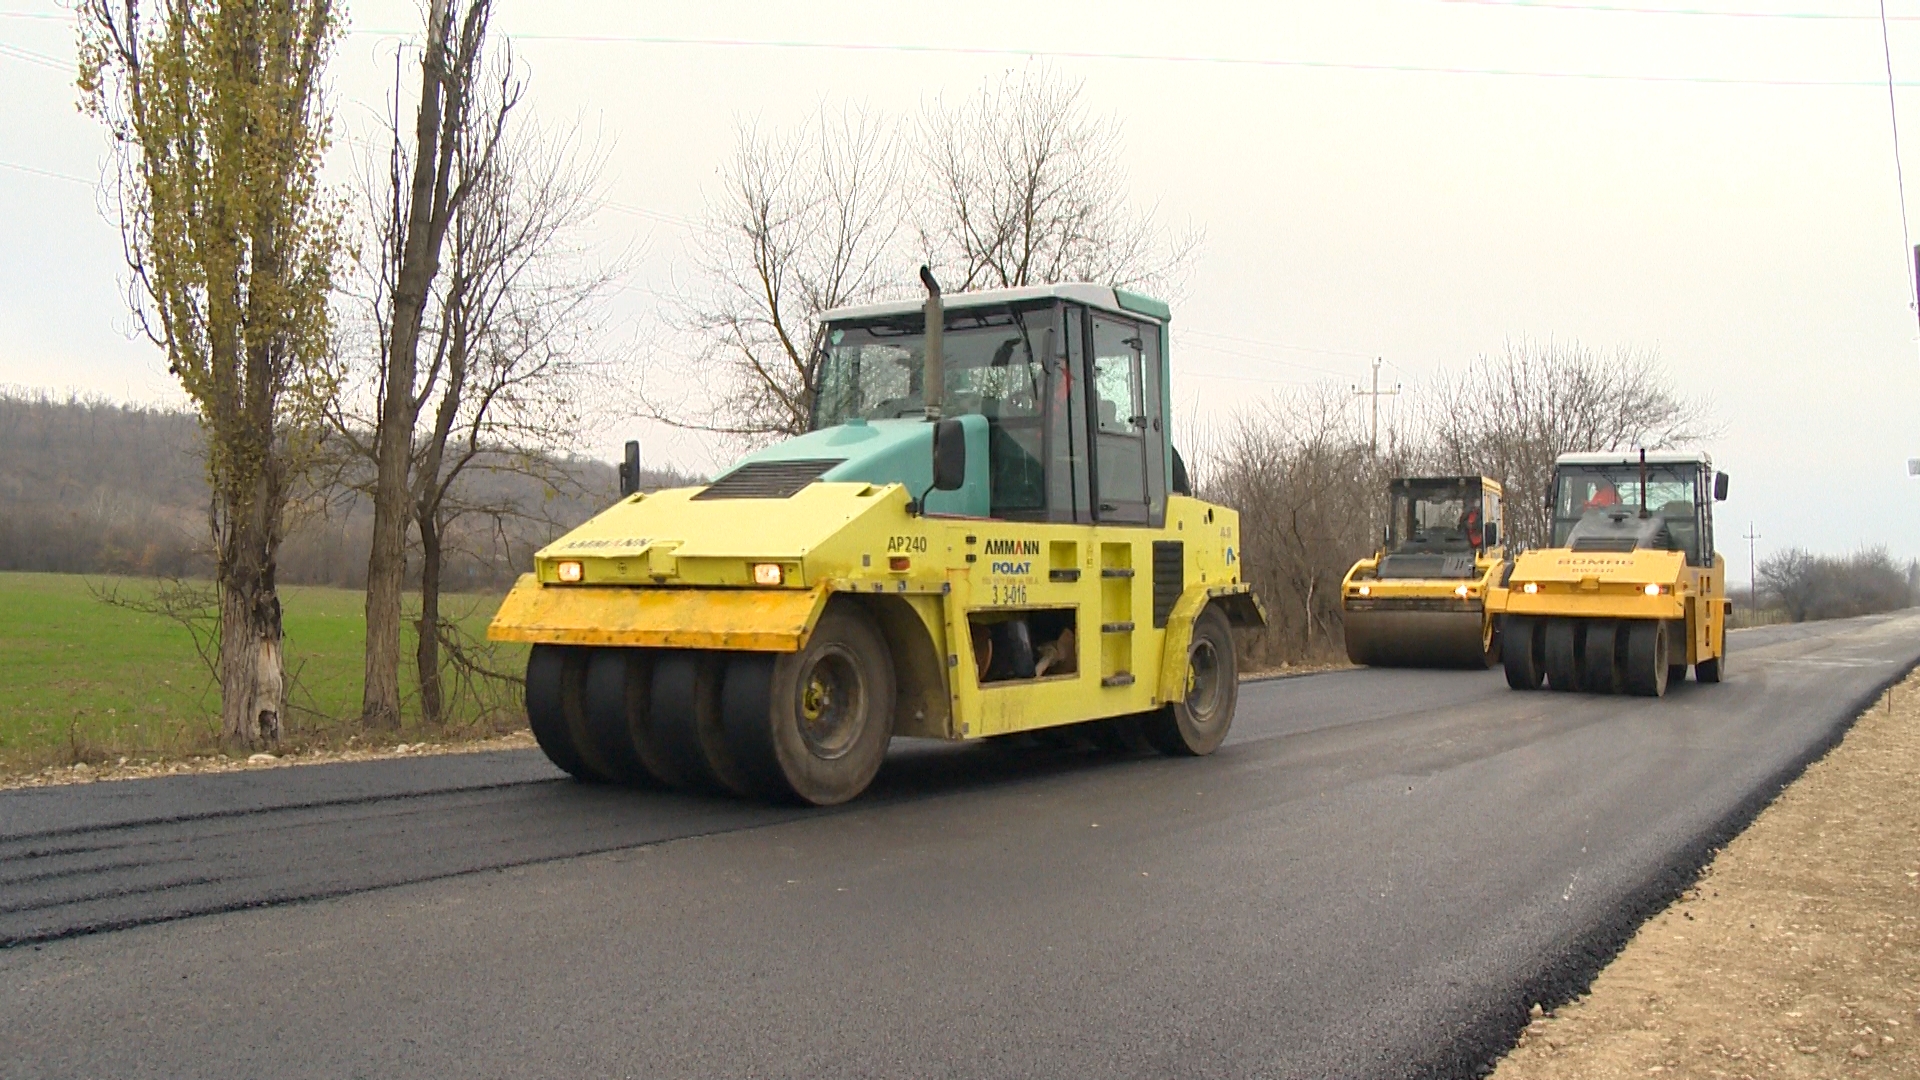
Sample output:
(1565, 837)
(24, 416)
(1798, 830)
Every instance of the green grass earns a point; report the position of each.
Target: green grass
(84, 680)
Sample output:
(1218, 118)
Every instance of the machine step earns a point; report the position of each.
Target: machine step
(1122, 678)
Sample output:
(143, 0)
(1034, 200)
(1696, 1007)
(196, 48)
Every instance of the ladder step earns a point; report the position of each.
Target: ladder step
(1123, 678)
(1116, 628)
(1117, 571)
(1063, 575)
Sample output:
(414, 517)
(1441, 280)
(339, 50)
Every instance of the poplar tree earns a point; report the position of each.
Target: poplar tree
(219, 117)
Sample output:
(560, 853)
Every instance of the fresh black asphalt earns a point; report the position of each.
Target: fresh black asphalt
(1375, 877)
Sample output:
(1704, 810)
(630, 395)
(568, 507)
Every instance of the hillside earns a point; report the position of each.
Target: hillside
(95, 487)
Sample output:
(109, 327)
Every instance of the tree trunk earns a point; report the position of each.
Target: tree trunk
(427, 654)
(252, 670)
(393, 442)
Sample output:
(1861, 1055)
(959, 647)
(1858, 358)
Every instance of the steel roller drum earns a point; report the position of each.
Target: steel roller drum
(1416, 639)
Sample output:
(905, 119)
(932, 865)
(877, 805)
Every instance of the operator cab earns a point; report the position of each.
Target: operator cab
(1438, 525)
(1601, 503)
(1071, 381)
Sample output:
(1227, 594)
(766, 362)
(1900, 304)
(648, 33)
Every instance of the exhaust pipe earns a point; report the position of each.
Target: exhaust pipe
(934, 381)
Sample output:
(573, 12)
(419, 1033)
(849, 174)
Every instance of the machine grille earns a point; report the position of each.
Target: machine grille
(768, 479)
(1605, 543)
(1169, 578)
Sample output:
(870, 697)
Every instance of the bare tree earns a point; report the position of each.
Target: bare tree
(804, 222)
(454, 138)
(1022, 185)
(1808, 586)
(219, 116)
(1510, 416)
(514, 353)
(1298, 470)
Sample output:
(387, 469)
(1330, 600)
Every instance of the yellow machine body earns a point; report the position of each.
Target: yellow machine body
(1575, 585)
(1405, 608)
(669, 571)
(1629, 593)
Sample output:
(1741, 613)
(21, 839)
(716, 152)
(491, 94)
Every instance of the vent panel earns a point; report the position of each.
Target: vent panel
(768, 479)
(1169, 578)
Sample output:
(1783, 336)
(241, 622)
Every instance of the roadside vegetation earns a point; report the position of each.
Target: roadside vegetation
(83, 681)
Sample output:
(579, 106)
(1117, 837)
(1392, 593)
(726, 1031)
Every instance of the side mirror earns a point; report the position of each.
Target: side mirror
(1719, 487)
(949, 455)
(1493, 534)
(630, 470)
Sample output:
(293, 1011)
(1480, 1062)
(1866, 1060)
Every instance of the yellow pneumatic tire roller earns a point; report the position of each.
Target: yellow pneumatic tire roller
(1597, 656)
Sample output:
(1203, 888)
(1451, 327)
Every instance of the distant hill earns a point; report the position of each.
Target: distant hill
(94, 487)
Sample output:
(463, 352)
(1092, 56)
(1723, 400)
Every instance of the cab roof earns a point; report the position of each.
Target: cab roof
(1632, 457)
(1104, 297)
(1487, 483)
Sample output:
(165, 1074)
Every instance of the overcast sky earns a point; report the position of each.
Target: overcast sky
(1420, 180)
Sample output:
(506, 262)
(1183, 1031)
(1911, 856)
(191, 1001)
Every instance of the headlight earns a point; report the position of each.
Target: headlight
(1530, 588)
(1460, 590)
(1654, 590)
(767, 573)
(1366, 590)
(570, 571)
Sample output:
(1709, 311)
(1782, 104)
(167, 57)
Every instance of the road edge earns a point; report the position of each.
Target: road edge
(1489, 1032)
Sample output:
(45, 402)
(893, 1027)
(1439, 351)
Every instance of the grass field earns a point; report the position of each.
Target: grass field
(84, 680)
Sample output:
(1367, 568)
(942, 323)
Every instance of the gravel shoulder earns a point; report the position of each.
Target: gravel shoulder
(1797, 954)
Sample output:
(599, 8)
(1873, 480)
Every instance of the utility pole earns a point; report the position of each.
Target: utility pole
(1373, 397)
(1753, 597)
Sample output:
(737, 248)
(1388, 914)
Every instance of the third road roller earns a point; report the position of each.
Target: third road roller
(1421, 600)
(1630, 590)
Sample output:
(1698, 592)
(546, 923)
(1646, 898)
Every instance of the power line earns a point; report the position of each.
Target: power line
(31, 57)
(46, 172)
(1899, 170)
(1165, 58)
(1276, 344)
(1712, 13)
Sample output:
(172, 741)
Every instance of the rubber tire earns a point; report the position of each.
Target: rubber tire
(1676, 674)
(1181, 730)
(1522, 652)
(554, 677)
(761, 706)
(1710, 671)
(1600, 658)
(684, 706)
(618, 687)
(1647, 656)
(1561, 646)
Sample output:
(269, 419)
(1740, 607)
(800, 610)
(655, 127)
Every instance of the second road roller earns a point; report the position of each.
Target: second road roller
(985, 531)
(1421, 600)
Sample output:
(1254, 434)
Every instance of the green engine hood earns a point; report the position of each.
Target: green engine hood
(891, 452)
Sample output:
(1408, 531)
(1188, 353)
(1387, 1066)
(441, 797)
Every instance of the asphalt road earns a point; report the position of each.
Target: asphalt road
(1376, 876)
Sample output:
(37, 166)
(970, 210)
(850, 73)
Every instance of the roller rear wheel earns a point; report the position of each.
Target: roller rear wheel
(1711, 671)
(813, 725)
(1562, 646)
(1600, 670)
(1647, 658)
(1197, 724)
(618, 712)
(554, 711)
(685, 712)
(1523, 653)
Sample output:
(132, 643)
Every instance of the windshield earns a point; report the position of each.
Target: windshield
(875, 370)
(1434, 516)
(1587, 489)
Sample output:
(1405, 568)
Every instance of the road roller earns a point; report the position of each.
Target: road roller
(1421, 600)
(985, 531)
(1630, 591)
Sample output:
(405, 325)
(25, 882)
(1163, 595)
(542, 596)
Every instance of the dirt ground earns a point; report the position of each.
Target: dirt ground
(1796, 955)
